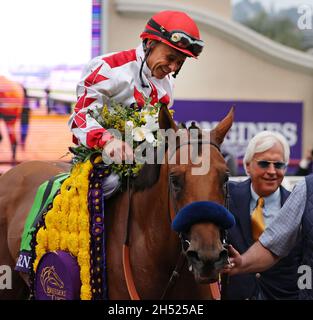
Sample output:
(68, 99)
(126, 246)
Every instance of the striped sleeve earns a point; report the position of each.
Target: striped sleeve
(93, 92)
(281, 235)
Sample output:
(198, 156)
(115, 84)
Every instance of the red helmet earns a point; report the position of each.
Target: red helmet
(175, 29)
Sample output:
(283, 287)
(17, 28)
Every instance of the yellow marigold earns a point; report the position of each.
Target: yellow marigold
(85, 274)
(57, 202)
(40, 251)
(65, 205)
(35, 264)
(42, 238)
(63, 222)
(72, 243)
(53, 239)
(69, 215)
(50, 218)
(84, 222)
(83, 240)
(73, 221)
(58, 220)
(98, 159)
(85, 292)
(84, 189)
(65, 185)
(83, 257)
(64, 239)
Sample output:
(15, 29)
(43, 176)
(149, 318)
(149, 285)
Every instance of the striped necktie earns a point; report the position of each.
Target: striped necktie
(257, 220)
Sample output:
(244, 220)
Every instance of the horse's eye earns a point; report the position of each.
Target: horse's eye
(177, 182)
(226, 176)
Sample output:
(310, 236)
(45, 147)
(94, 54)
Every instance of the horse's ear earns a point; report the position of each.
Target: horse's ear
(165, 119)
(219, 132)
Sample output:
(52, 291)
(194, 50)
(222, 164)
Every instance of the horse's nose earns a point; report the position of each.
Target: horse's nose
(193, 255)
(222, 261)
(201, 260)
(216, 260)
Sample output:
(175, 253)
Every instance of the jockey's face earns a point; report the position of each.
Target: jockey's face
(164, 59)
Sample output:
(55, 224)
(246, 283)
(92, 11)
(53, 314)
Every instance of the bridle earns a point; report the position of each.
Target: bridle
(184, 241)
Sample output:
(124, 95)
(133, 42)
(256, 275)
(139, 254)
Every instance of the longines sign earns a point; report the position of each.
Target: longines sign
(251, 117)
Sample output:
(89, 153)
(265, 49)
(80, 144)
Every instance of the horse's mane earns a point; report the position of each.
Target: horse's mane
(149, 173)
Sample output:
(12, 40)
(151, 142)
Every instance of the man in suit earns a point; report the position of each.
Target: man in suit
(265, 163)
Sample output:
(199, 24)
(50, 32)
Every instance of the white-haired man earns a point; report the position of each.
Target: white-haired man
(255, 202)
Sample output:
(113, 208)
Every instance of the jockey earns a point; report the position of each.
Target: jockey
(127, 77)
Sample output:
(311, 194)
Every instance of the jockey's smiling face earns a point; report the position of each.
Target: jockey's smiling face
(164, 59)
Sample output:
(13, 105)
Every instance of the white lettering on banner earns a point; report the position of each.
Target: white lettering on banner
(241, 133)
(23, 261)
(305, 280)
(5, 277)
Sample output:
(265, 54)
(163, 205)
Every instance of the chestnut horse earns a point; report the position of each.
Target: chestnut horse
(154, 248)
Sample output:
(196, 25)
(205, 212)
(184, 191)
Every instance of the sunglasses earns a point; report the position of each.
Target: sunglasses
(264, 164)
(178, 38)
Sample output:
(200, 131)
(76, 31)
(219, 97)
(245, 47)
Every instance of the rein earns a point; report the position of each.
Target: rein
(214, 288)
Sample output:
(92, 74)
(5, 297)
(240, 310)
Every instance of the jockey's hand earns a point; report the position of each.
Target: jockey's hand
(118, 151)
(235, 261)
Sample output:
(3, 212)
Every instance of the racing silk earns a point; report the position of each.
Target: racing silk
(114, 77)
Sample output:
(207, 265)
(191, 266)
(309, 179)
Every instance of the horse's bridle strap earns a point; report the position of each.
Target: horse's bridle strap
(214, 288)
(128, 275)
(191, 142)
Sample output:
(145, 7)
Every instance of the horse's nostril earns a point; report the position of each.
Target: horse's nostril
(193, 255)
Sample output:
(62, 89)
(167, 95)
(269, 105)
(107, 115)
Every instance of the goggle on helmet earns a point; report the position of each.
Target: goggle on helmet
(181, 40)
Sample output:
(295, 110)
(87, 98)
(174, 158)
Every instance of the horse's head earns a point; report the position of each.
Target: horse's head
(197, 187)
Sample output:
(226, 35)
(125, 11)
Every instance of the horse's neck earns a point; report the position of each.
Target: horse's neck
(150, 210)
(154, 247)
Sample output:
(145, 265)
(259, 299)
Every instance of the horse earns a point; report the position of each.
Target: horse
(146, 210)
(11, 105)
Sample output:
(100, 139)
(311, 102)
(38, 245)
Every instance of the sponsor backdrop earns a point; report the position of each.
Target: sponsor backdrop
(251, 117)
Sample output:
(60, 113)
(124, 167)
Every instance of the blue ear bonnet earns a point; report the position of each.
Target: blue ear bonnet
(202, 211)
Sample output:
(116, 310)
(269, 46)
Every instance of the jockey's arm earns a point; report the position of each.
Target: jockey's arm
(94, 90)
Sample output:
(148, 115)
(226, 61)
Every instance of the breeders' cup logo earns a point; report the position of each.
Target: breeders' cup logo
(52, 284)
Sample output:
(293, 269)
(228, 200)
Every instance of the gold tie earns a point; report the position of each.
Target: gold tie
(257, 220)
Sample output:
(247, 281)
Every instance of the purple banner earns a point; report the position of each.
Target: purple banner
(251, 117)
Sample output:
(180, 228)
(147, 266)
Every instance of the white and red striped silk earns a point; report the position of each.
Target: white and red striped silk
(114, 77)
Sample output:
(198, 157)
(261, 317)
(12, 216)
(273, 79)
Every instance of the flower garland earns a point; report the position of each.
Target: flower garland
(67, 224)
(135, 126)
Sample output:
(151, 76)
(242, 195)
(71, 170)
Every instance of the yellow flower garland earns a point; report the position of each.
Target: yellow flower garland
(67, 224)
